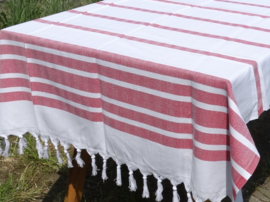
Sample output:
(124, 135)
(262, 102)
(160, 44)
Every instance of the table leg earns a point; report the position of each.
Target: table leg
(76, 178)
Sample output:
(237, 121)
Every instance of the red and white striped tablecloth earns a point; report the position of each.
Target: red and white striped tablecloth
(164, 86)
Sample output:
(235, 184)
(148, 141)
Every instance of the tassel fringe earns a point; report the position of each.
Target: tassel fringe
(80, 162)
(189, 197)
(69, 162)
(176, 197)
(7, 145)
(39, 147)
(159, 191)
(45, 151)
(104, 173)
(22, 145)
(119, 177)
(145, 187)
(94, 166)
(132, 181)
(1, 151)
(59, 158)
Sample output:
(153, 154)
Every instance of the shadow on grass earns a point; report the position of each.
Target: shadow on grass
(95, 190)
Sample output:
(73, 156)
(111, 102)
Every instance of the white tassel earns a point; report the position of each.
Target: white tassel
(189, 197)
(1, 151)
(145, 187)
(159, 191)
(176, 197)
(119, 177)
(7, 145)
(39, 148)
(94, 166)
(22, 145)
(59, 158)
(104, 173)
(132, 181)
(80, 162)
(69, 162)
(45, 151)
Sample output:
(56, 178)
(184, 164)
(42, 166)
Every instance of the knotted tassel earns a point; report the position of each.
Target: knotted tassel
(189, 197)
(104, 173)
(159, 191)
(69, 162)
(80, 162)
(94, 166)
(7, 145)
(45, 151)
(59, 158)
(145, 187)
(176, 197)
(39, 147)
(22, 145)
(1, 151)
(119, 177)
(132, 181)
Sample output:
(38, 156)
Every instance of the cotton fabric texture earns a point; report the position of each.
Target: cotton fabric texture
(166, 87)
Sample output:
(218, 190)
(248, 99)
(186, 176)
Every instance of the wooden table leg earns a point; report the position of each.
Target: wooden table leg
(76, 178)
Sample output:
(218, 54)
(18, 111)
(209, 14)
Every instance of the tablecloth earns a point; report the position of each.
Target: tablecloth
(164, 86)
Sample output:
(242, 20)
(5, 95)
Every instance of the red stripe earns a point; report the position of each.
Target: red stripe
(238, 151)
(64, 61)
(14, 82)
(147, 119)
(149, 135)
(122, 60)
(15, 96)
(163, 86)
(208, 155)
(174, 29)
(10, 49)
(57, 104)
(211, 139)
(13, 66)
(242, 3)
(83, 100)
(246, 61)
(68, 79)
(238, 179)
(189, 17)
(211, 8)
(234, 193)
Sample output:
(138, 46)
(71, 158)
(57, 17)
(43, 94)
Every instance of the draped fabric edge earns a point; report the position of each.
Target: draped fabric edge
(42, 150)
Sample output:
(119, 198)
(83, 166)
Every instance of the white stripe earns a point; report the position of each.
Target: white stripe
(13, 75)
(234, 107)
(244, 140)
(211, 147)
(148, 127)
(52, 96)
(63, 87)
(235, 187)
(163, 94)
(14, 43)
(62, 68)
(240, 170)
(209, 107)
(210, 130)
(62, 53)
(161, 77)
(147, 111)
(15, 89)
(12, 57)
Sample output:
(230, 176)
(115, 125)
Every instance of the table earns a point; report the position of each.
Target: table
(164, 86)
